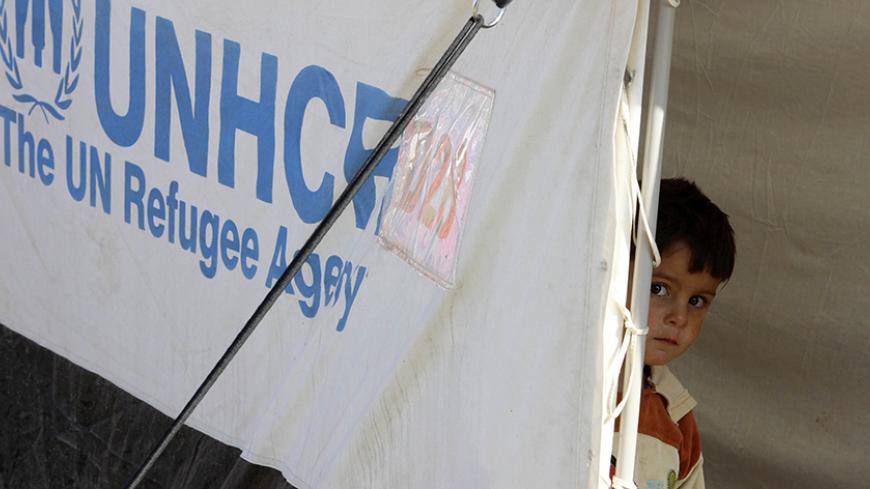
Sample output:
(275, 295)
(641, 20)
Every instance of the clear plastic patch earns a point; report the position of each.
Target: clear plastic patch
(427, 201)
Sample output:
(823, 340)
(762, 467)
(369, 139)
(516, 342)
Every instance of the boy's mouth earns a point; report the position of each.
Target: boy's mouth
(667, 340)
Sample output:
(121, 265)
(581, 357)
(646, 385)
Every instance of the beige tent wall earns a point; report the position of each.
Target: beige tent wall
(770, 114)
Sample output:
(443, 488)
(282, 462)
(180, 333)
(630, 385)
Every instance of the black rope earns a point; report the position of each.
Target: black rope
(471, 28)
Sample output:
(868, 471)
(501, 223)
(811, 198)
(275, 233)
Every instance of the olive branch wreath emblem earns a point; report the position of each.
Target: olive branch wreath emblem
(67, 83)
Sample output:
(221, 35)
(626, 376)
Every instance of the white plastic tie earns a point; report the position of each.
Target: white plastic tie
(632, 332)
(635, 196)
(613, 375)
(629, 322)
(653, 248)
(623, 100)
(644, 222)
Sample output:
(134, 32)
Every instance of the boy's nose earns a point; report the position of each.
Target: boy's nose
(678, 315)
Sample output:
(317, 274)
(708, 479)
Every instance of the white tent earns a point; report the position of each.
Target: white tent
(445, 388)
(162, 162)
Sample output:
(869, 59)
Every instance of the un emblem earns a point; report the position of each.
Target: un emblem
(46, 19)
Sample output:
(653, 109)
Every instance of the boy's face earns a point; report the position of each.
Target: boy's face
(679, 301)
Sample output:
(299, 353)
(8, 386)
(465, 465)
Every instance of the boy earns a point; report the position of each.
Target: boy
(697, 249)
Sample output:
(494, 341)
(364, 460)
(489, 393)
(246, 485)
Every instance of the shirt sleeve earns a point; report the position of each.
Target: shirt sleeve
(691, 462)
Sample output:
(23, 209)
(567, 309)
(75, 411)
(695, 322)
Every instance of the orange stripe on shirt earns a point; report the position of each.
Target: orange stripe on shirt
(683, 436)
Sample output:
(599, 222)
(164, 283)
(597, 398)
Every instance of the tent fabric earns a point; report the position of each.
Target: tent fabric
(366, 373)
(769, 113)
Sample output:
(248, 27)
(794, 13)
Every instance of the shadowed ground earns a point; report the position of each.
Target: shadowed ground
(65, 427)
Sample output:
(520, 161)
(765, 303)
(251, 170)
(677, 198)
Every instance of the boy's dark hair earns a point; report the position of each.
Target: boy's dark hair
(686, 214)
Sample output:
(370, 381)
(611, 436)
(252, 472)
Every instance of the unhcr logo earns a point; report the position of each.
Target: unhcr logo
(43, 20)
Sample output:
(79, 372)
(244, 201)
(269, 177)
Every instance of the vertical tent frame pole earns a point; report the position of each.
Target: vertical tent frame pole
(635, 72)
(652, 158)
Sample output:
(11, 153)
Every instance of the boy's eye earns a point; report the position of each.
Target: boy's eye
(659, 289)
(697, 301)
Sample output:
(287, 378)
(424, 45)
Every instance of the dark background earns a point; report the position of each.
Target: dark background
(64, 427)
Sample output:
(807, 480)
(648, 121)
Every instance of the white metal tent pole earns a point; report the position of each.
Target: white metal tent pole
(654, 137)
(635, 72)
